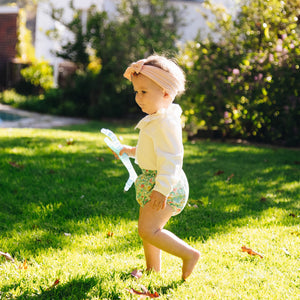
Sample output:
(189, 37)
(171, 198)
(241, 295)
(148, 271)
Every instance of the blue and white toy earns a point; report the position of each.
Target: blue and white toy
(114, 144)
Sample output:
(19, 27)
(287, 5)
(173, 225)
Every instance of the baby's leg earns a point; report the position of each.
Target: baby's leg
(151, 223)
(152, 256)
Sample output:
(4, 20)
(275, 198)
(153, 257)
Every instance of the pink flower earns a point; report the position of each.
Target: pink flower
(279, 48)
(271, 57)
(279, 45)
(258, 77)
(235, 71)
(227, 119)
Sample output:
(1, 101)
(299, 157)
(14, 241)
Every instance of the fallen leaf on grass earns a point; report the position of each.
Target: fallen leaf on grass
(16, 165)
(219, 173)
(24, 265)
(296, 233)
(250, 251)
(7, 256)
(137, 273)
(229, 177)
(56, 282)
(70, 141)
(286, 251)
(145, 293)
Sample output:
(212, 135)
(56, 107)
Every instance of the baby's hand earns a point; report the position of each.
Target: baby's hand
(158, 200)
(125, 149)
(130, 151)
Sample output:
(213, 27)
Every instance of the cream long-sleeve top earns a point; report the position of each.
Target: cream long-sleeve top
(160, 147)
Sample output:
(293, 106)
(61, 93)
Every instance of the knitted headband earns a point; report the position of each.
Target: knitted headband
(161, 77)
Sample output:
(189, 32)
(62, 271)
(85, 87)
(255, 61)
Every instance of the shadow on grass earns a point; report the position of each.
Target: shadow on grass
(77, 288)
(49, 191)
(165, 290)
(229, 185)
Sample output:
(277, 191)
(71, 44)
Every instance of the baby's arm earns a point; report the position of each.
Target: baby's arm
(167, 140)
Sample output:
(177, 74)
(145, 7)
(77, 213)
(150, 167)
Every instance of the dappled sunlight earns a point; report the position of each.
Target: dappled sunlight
(226, 193)
(63, 210)
(232, 208)
(291, 187)
(77, 171)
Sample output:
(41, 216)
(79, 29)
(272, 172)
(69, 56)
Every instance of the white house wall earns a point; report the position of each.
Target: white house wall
(193, 18)
(45, 48)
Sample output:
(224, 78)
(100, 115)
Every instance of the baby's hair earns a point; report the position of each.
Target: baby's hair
(169, 66)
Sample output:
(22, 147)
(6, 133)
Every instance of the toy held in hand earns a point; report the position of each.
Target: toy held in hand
(114, 144)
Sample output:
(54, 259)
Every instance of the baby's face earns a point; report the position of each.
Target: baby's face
(150, 97)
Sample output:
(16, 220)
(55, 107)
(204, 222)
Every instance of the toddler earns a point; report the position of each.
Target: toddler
(162, 188)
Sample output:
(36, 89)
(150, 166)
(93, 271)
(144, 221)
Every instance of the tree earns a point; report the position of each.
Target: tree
(107, 47)
(37, 74)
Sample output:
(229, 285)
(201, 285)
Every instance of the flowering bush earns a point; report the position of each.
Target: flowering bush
(247, 83)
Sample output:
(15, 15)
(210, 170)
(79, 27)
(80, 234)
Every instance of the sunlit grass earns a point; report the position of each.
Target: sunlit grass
(64, 216)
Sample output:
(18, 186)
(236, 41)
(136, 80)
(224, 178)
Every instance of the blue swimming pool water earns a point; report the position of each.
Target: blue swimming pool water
(5, 116)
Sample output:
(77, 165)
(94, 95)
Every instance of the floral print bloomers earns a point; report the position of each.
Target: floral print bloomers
(177, 198)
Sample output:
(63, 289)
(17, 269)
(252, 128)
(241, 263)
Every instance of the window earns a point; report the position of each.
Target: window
(199, 1)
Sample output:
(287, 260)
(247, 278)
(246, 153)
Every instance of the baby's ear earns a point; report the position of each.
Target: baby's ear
(166, 94)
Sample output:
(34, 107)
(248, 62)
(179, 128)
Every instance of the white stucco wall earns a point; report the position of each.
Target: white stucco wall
(194, 20)
(45, 47)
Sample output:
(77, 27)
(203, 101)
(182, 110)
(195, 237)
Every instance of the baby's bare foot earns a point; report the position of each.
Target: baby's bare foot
(189, 265)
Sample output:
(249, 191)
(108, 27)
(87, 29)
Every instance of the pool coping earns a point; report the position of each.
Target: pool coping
(37, 120)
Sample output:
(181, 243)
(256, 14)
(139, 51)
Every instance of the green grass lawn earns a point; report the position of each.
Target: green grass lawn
(64, 216)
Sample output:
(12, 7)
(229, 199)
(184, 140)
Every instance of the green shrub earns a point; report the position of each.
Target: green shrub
(49, 102)
(101, 54)
(247, 84)
(11, 97)
(39, 74)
